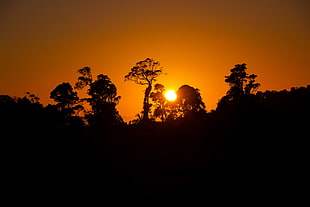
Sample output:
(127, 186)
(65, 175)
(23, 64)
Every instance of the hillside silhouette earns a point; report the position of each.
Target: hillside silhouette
(165, 153)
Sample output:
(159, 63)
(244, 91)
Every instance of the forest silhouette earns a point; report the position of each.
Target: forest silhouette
(165, 152)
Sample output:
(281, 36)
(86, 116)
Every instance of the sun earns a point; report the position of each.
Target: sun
(170, 95)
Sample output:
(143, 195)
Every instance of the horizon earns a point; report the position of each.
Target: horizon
(196, 42)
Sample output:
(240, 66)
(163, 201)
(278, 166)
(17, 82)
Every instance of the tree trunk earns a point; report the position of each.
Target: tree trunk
(146, 105)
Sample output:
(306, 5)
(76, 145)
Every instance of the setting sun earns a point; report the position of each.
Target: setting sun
(170, 95)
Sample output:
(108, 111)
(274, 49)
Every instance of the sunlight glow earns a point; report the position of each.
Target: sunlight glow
(170, 95)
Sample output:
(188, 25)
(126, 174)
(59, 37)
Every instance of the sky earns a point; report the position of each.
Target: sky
(44, 42)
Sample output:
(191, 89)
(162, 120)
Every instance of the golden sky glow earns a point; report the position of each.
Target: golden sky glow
(44, 43)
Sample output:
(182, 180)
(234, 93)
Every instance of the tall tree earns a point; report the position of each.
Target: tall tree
(104, 100)
(103, 97)
(251, 86)
(240, 82)
(159, 101)
(240, 96)
(85, 79)
(190, 101)
(65, 97)
(145, 73)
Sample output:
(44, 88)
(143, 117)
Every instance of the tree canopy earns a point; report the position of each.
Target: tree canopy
(103, 98)
(168, 154)
(145, 73)
(240, 82)
(64, 95)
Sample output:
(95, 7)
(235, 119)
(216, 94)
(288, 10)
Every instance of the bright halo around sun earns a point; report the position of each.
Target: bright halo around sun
(170, 95)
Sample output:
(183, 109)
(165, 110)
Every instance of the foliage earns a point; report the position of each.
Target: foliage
(164, 159)
(145, 73)
(159, 101)
(85, 79)
(240, 82)
(103, 91)
(188, 102)
(67, 99)
(21, 112)
(241, 92)
(103, 98)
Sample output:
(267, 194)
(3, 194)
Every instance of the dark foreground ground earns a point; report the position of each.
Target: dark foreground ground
(147, 162)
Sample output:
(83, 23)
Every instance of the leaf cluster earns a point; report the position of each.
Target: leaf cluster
(144, 72)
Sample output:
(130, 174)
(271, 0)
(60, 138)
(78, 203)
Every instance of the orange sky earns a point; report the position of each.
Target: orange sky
(44, 43)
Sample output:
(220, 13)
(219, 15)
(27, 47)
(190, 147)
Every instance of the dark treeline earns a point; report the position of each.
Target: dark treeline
(165, 152)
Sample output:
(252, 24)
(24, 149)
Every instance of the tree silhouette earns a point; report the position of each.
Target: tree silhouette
(104, 100)
(21, 112)
(251, 86)
(145, 73)
(190, 101)
(159, 101)
(85, 79)
(103, 97)
(240, 100)
(66, 98)
(32, 97)
(240, 82)
(6, 100)
(263, 129)
(67, 104)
